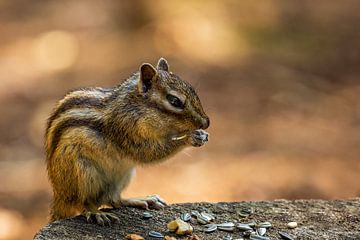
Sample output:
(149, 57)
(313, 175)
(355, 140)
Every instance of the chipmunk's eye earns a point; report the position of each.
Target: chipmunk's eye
(175, 101)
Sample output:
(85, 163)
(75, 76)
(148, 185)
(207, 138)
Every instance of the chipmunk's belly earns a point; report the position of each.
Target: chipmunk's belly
(116, 179)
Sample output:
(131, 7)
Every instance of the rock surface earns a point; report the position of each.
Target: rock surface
(317, 219)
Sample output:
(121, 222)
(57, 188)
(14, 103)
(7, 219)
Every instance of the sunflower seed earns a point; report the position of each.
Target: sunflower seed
(228, 226)
(147, 215)
(208, 216)
(228, 237)
(286, 236)
(254, 236)
(155, 234)
(210, 228)
(243, 227)
(247, 233)
(185, 217)
(251, 224)
(202, 220)
(261, 231)
(195, 213)
(245, 211)
(292, 224)
(264, 225)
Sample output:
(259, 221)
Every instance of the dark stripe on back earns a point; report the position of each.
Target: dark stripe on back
(94, 124)
(90, 102)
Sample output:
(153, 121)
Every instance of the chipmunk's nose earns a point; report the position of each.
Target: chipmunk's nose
(205, 122)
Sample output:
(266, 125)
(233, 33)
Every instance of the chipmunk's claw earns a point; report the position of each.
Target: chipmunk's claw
(101, 218)
(199, 137)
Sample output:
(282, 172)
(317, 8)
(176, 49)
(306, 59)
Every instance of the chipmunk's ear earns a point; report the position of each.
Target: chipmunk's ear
(163, 65)
(147, 74)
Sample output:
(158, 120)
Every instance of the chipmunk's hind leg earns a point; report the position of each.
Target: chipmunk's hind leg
(61, 209)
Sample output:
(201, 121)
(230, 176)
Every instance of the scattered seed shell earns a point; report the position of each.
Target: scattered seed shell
(244, 227)
(251, 224)
(254, 236)
(155, 234)
(210, 228)
(228, 226)
(292, 224)
(261, 231)
(195, 213)
(286, 236)
(134, 237)
(208, 216)
(147, 215)
(245, 211)
(202, 220)
(247, 233)
(264, 225)
(185, 217)
(228, 237)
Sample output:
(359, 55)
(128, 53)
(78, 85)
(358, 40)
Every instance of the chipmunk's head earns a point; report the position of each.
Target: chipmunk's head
(178, 107)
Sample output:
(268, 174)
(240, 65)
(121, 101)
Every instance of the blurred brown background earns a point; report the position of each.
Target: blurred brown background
(279, 80)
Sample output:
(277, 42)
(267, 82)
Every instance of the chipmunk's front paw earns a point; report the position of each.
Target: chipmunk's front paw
(198, 138)
(152, 201)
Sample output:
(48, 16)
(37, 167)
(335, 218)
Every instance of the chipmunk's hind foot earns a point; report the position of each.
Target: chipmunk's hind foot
(100, 217)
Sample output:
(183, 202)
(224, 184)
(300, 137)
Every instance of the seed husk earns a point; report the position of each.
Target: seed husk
(227, 237)
(247, 233)
(195, 213)
(208, 216)
(261, 231)
(286, 236)
(251, 224)
(254, 236)
(292, 224)
(202, 220)
(228, 226)
(155, 234)
(210, 228)
(185, 217)
(245, 211)
(147, 215)
(244, 227)
(264, 225)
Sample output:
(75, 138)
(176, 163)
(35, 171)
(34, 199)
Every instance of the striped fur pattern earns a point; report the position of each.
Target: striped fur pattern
(95, 137)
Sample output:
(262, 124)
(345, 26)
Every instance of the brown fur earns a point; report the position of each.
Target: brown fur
(96, 137)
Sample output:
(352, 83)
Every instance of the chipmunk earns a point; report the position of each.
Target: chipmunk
(96, 137)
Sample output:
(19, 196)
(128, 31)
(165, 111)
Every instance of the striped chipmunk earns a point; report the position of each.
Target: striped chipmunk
(95, 138)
